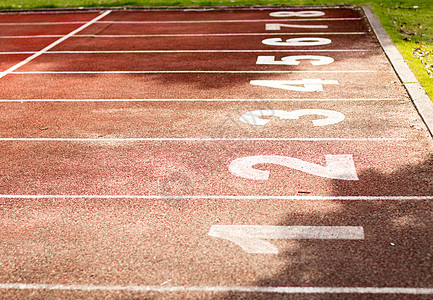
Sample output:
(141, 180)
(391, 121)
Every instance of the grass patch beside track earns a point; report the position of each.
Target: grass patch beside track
(407, 22)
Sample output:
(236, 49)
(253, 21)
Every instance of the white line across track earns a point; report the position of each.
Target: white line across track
(178, 35)
(223, 197)
(52, 45)
(198, 100)
(230, 21)
(189, 72)
(195, 139)
(221, 289)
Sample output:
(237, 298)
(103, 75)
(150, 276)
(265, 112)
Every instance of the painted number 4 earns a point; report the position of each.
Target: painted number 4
(304, 85)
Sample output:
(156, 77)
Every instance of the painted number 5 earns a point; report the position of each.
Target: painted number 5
(337, 166)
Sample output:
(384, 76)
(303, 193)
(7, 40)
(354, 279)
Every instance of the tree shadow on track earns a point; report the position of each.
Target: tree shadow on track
(397, 250)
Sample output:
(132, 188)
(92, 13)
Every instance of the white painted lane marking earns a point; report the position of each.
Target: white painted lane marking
(254, 117)
(187, 51)
(251, 237)
(29, 36)
(41, 23)
(309, 85)
(337, 166)
(294, 60)
(52, 45)
(223, 197)
(200, 100)
(196, 139)
(212, 34)
(222, 289)
(175, 35)
(231, 21)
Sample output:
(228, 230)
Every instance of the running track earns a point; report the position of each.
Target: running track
(255, 153)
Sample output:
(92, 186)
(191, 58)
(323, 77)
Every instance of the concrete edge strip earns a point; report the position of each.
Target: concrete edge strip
(419, 97)
(222, 289)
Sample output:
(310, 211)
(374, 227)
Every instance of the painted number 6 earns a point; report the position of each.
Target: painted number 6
(307, 41)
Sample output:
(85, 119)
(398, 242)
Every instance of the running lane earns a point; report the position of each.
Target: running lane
(256, 153)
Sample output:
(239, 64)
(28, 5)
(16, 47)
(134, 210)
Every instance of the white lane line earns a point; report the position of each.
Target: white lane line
(213, 34)
(221, 289)
(41, 23)
(186, 51)
(177, 35)
(223, 197)
(251, 238)
(230, 21)
(29, 36)
(197, 139)
(188, 72)
(196, 100)
(180, 22)
(37, 54)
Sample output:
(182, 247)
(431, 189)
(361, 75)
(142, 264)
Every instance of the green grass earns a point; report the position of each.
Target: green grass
(408, 22)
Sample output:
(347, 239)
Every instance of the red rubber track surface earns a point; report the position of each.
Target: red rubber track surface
(116, 146)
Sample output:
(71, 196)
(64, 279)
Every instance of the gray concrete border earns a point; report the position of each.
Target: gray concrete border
(419, 97)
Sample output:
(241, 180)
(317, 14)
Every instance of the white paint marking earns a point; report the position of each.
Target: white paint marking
(221, 289)
(224, 197)
(199, 100)
(41, 23)
(176, 35)
(254, 117)
(52, 45)
(303, 14)
(213, 34)
(197, 72)
(309, 85)
(296, 42)
(251, 237)
(337, 166)
(294, 60)
(230, 21)
(278, 26)
(188, 51)
(29, 36)
(197, 139)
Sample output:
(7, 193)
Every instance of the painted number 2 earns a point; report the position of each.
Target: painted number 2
(337, 166)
